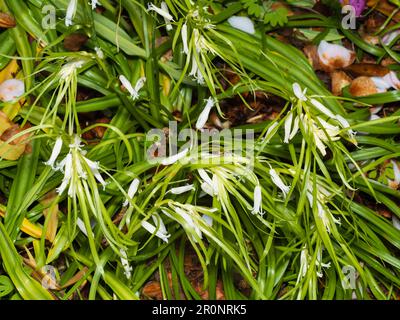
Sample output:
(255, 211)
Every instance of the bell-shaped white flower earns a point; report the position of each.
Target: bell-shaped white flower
(71, 10)
(346, 125)
(304, 262)
(99, 52)
(270, 132)
(396, 222)
(186, 215)
(257, 206)
(94, 167)
(94, 4)
(207, 219)
(158, 232)
(288, 127)
(183, 189)
(70, 68)
(175, 158)
(276, 179)
(133, 188)
(244, 24)
(168, 24)
(55, 153)
(208, 185)
(184, 35)
(291, 127)
(320, 201)
(67, 169)
(300, 94)
(11, 89)
(203, 117)
(195, 72)
(163, 11)
(322, 108)
(81, 225)
(133, 91)
(139, 85)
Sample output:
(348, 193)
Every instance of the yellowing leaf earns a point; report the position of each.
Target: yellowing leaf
(9, 72)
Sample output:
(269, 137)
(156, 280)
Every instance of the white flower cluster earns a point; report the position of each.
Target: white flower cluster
(321, 130)
(73, 166)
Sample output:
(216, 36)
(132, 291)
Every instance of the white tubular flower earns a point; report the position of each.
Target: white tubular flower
(94, 167)
(304, 263)
(334, 55)
(396, 222)
(295, 128)
(55, 153)
(330, 129)
(208, 185)
(70, 68)
(139, 85)
(81, 226)
(168, 24)
(153, 230)
(345, 124)
(207, 219)
(196, 72)
(242, 23)
(321, 136)
(125, 264)
(396, 171)
(185, 214)
(99, 52)
(162, 12)
(319, 262)
(159, 223)
(301, 95)
(133, 188)
(269, 133)
(67, 168)
(323, 212)
(276, 179)
(183, 189)
(288, 127)
(175, 158)
(322, 108)
(94, 4)
(11, 89)
(184, 36)
(71, 10)
(134, 92)
(257, 207)
(203, 117)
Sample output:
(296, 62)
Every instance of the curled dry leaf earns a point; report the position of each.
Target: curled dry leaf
(340, 80)
(311, 52)
(363, 86)
(153, 290)
(52, 210)
(12, 149)
(6, 20)
(367, 69)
